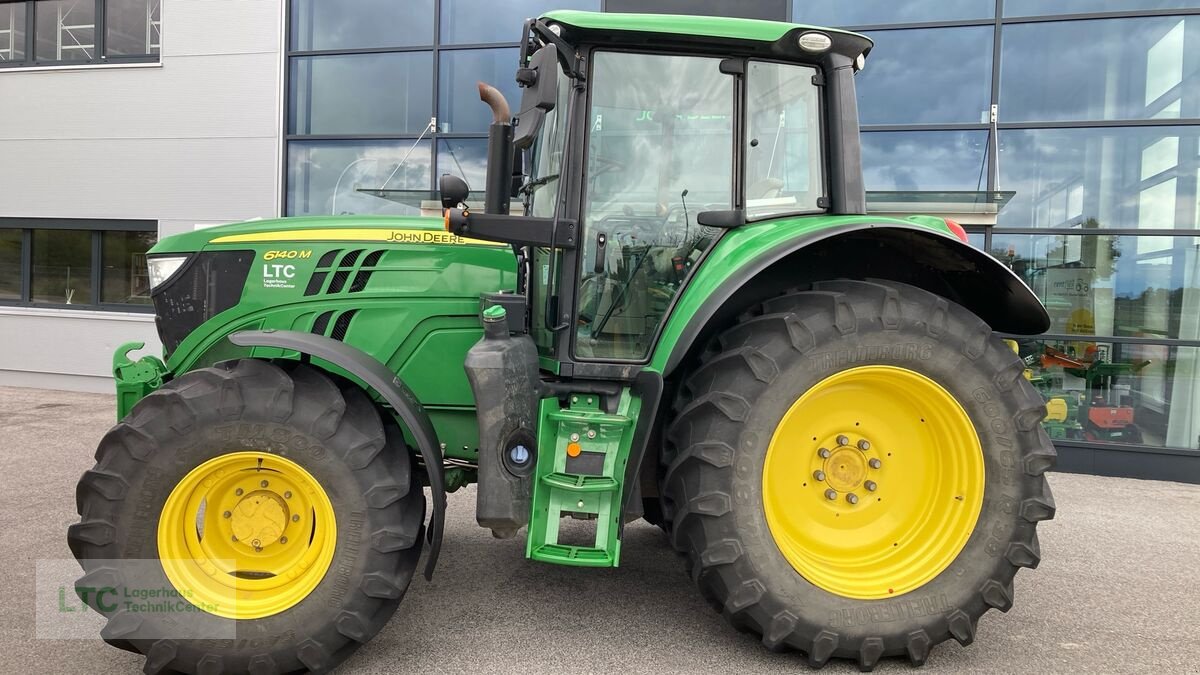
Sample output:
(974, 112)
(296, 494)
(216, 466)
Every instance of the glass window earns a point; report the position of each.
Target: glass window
(900, 65)
(1043, 8)
(1111, 285)
(660, 150)
(484, 21)
(330, 177)
(783, 146)
(911, 161)
(10, 264)
(465, 158)
(545, 158)
(66, 30)
(62, 267)
(359, 24)
(361, 94)
(1114, 392)
(1114, 69)
(124, 277)
(132, 27)
(878, 12)
(1133, 177)
(12, 32)
(459, 107)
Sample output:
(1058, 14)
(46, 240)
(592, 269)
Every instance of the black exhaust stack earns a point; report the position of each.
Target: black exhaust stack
(500, 152)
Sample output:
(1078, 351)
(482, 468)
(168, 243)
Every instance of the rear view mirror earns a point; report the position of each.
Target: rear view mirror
(454, 191)
(539, 82)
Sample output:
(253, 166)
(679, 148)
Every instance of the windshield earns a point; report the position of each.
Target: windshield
(783, 140)
(660, 150)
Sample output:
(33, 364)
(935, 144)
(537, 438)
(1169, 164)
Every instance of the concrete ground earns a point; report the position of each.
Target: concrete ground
(1116, 591)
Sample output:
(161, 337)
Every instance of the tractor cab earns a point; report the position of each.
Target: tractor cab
(637, 144)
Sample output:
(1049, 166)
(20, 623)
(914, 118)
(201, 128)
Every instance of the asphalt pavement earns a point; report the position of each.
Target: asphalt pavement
(1116, 591)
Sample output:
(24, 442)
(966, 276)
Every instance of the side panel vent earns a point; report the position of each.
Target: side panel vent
(322, 322)
(342, 325)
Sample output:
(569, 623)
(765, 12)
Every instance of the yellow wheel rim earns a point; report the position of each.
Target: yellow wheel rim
(873, 482)
(246, 535)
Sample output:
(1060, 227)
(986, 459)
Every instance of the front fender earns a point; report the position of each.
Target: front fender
(393, 390)
(796, 251)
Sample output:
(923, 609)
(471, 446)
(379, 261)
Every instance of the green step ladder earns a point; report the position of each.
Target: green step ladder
(585, 481)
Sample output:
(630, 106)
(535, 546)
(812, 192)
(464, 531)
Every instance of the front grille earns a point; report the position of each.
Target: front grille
(209, 284)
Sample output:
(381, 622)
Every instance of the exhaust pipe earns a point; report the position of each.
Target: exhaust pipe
(500, 152)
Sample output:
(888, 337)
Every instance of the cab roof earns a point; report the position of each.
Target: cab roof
(754, 34)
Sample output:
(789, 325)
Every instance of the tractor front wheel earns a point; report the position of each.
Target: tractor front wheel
(268, 504)
(856, 470)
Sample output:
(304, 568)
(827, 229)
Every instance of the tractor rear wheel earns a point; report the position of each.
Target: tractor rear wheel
(271, 498)
(856, 471)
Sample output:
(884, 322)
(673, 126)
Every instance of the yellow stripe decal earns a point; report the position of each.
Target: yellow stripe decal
(347, 234)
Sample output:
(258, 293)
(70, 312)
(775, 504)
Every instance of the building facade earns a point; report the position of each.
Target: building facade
(1067, 135)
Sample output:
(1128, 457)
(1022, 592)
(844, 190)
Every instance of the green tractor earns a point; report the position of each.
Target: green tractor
(671, 305)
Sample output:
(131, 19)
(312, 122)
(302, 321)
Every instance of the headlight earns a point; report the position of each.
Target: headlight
(162, 268)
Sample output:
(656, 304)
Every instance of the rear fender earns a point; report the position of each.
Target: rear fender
(766, 263)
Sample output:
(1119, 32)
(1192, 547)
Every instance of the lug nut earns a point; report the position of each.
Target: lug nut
(852, 498)
(830, 495)
(263, 484)
(870, 485)
(819, 475)
(287, 495)
(824, 453)
(842, 440)
(238, 492)
(227, 514)
(875, 463)
(864, 445)
(235, 537)
(591, 433)
(295, 517)
(574, 438)
(283, 540)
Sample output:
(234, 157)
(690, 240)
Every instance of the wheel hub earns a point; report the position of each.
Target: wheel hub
(259, 519)
(846, 469)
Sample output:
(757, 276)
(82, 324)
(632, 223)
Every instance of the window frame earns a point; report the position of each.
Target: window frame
(99, 42)
(96, 228)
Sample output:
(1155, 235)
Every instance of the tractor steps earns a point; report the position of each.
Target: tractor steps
(582, 453)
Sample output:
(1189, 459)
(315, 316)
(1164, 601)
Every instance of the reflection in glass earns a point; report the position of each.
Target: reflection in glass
(1113, 392)
(459, 107)
(878, 12)
(62, 267)
(909, 161)
(132, 27)
(1043, 8)
(483, 21)
(1143, 177)
(358, 24)
(1112, 285)
(465, 158)
(783, 146)
(12, 32)
(660, 150)
(10, 264)
(66, 30)
(327, 177)
(1115, 69)
(361, 94)
(900, 65)
(124, 277)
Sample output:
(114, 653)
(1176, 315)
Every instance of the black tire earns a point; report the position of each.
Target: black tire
(333, 430)
(740, 389)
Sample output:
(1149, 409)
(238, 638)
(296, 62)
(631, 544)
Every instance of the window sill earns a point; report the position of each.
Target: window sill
(80, 66)
(114, 315)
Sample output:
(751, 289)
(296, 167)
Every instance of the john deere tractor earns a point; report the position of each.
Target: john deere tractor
(668, 303)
